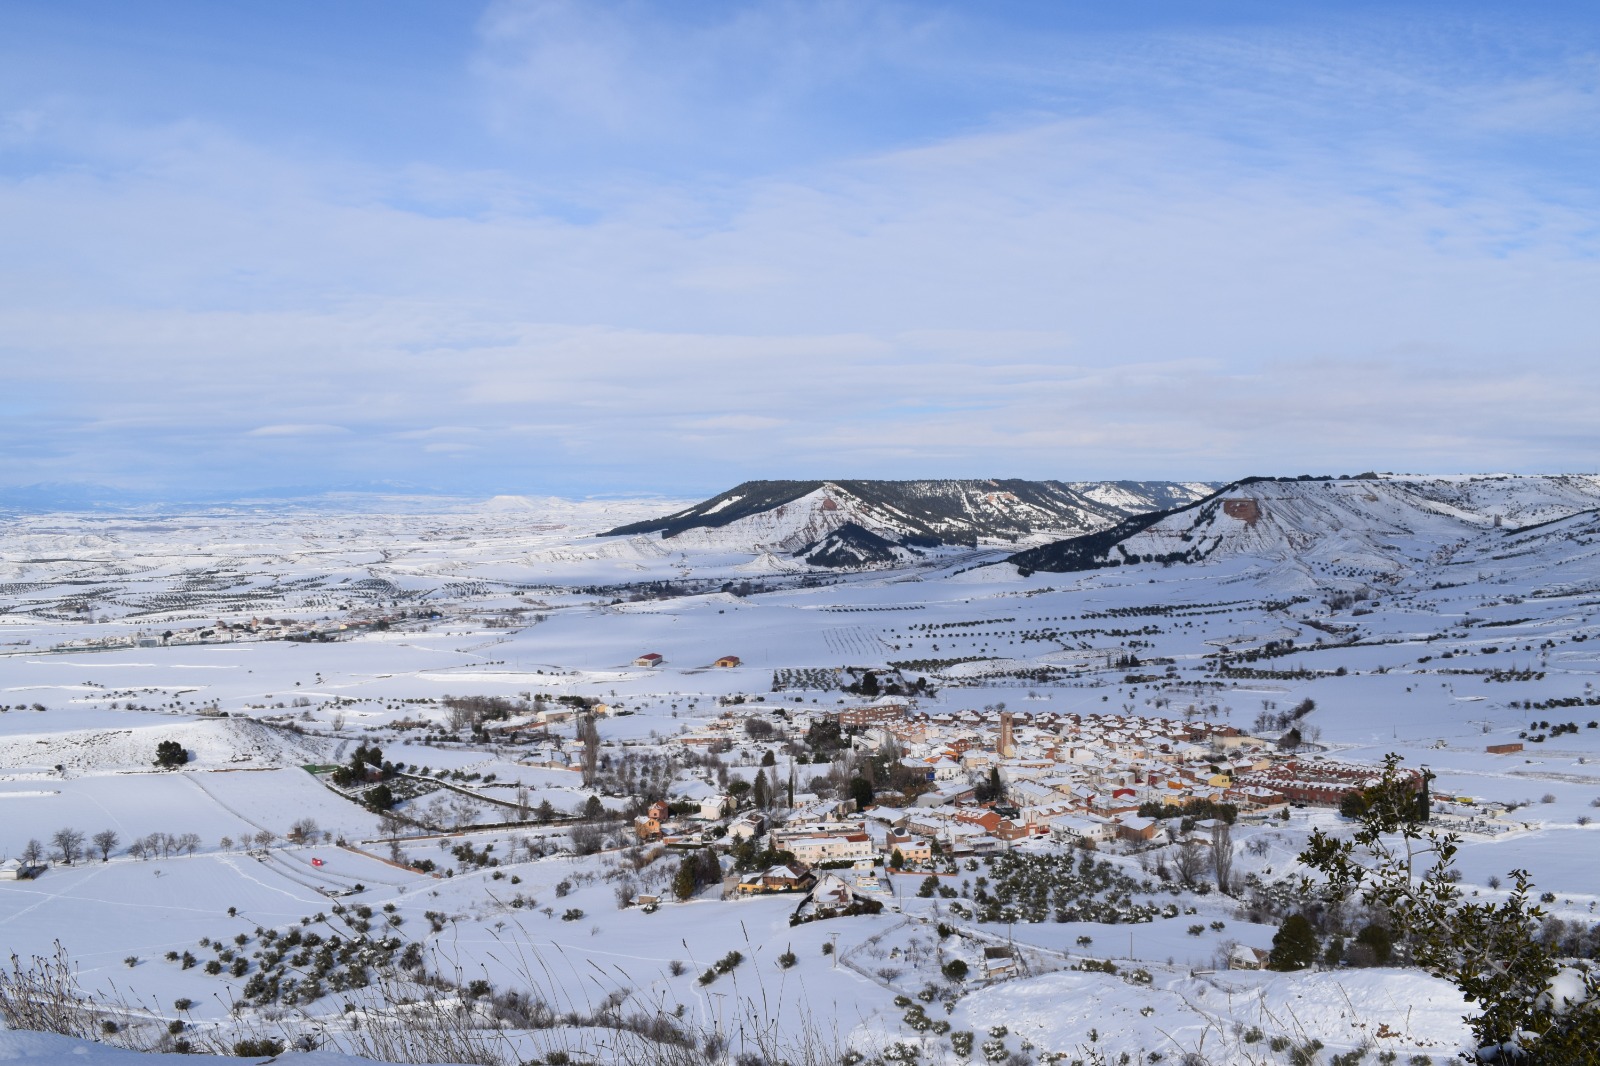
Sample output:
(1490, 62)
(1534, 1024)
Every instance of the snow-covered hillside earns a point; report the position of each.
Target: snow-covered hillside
(212, 743)
(1365, 529)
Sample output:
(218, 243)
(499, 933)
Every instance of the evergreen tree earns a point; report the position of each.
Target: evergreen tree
(861, 792)
(1294, 945)
(1488, 950)
(708, 868)
(1377, 938)
(379, 798)
(745, 855)
(683, 882)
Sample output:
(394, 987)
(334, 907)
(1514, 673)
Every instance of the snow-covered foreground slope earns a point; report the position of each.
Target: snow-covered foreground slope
(48, 1049)
(1409, 621)
(1084, 1013)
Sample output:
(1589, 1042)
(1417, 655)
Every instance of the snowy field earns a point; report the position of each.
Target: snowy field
(1430, 631)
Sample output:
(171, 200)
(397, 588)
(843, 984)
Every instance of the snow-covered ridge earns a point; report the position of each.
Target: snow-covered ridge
(789, 515)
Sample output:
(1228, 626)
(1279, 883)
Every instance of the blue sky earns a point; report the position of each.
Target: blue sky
(607, 248)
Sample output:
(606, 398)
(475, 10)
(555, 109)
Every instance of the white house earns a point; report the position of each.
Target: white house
(1075, 828)
(812, 850)
(999, 962)
(750, 825)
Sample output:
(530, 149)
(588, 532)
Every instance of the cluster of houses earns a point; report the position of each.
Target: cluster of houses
(1314, 782)
(1075, 778)
(1102, 768)
(1069, 779)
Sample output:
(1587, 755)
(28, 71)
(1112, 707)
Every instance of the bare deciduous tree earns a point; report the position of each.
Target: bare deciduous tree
(436, 815)
(590, 735)
(304, 831)
(1222, 854)
(104, 841)
(69, 844)
(1189, 862)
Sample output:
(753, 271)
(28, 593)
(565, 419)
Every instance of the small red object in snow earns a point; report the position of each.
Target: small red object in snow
(316, 862)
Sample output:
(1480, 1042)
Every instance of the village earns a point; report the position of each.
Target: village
(970, 784)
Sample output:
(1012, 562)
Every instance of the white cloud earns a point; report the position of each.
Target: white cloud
(296, 430)
(437, 431)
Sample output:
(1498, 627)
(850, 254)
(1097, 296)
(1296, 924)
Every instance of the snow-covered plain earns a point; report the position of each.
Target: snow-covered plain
(1420, 626)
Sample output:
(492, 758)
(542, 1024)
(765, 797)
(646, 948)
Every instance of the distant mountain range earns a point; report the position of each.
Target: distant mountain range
(860, 522)
(86, 498)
